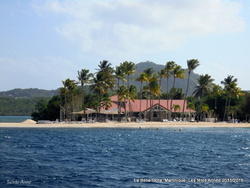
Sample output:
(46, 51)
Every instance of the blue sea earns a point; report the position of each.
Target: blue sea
(13, 119)
(116, 157)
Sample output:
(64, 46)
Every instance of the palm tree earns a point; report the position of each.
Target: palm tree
(141, 78)
(177, 72)
(229, 79)
(216, 92)
(192, 64)
(190, 106)
(146, 93)
(105, 72)
(129, 69)
(177, 93)
(204, 110)
(154, 89)
(104, 66)
(161, 74)
(202, 88)
(169, 68)
(69, 88)
(176, 107)
(235, 93)
(122, 93)
(63, 94)
(108, 74)
(84, 78)
(227, 82)
(106, 102)
(103, 81)
(245, 106)
(149, 72)
(120, 75)
(132, 94)
(100, 87)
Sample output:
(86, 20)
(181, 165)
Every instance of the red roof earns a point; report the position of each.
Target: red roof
(145, 104)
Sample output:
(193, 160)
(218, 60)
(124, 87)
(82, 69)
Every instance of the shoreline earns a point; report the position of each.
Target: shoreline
(129, 125)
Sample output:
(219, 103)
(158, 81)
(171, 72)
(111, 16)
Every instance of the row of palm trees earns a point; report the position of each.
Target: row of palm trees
(117, 81)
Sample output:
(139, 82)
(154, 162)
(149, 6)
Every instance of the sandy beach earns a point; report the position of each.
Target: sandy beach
(32, 124)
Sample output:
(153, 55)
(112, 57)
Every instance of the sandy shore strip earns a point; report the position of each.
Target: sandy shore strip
(127, 125)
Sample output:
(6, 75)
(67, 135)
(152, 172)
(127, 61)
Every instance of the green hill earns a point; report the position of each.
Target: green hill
(10, 106)
(28, 93)
(21, 102)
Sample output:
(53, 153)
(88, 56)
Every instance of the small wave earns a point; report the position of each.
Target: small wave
(247, 148)
(113, 158)
(244, 164)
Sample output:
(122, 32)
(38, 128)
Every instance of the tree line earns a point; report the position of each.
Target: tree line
(13, 106)
(93, 90)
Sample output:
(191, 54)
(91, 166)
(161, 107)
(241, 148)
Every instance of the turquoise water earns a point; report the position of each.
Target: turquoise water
(13, 119)
(105, 157)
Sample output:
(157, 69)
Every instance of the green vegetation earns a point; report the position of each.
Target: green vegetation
(93, 91)
(28, 93)
(129, 81)
(11, 106)
(21, 102)
(47, 110)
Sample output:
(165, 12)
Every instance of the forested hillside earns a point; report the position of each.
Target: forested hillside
(28, 93)
(21, 102)
(11, 106)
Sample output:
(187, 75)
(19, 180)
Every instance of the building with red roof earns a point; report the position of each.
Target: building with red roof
(155, 110)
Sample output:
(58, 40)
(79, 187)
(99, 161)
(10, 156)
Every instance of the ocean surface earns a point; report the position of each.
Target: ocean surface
(13, 119)
(106, 157)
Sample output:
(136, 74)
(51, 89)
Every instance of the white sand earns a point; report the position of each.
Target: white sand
(29, 121)
(31, 124)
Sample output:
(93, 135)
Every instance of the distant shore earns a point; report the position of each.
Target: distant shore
(127, 125)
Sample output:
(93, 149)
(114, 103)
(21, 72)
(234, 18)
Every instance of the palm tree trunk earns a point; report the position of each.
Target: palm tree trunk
(228, 107)
(125, 109)
(225, 111)
(159, 112)
(215, 110)
(151, 117)
(118, 105)
(72, 103)
(65, 109)
(129, 102)
(184, 103)
(83, 103)
(201, 98)
(99, 106)
(172, 96)
(140, 101)
(167, 99)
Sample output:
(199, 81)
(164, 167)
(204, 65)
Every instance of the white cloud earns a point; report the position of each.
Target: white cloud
(126, 27)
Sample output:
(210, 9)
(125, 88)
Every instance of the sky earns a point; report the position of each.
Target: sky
(44, 42)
